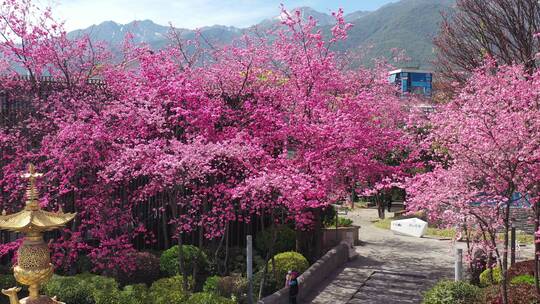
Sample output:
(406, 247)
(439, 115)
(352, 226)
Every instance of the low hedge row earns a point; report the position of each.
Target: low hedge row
(94, 289)
(521, 289)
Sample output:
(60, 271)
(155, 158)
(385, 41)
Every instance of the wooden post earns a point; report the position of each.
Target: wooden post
(249, 254)
(459, 265)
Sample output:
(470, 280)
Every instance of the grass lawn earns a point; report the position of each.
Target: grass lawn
(521, 237)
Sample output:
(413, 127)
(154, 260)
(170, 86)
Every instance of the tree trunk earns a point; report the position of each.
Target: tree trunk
(536, 245)
(269, 255)
(504, 266)
(380, 206)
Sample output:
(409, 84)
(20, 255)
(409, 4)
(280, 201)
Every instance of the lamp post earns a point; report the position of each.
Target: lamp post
(33, 266)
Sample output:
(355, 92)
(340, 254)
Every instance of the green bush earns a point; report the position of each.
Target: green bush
(523, 279)
(342, 222)
(168, 262)
(71, 289)
(168, 291)
(232, 286)
(87, 289)
(211, 284)
(285, 240)
(208, 298)
(485, 276)
(147, 270)
(136, 294)
(286, 261)
(104, 290)
(449, 292)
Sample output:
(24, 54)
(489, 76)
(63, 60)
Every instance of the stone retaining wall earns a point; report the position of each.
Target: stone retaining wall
(313, 276)
(331, 238)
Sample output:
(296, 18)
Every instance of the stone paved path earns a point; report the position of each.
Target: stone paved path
(390, 268)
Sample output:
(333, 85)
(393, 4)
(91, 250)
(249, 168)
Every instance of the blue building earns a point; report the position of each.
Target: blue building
(412, 81)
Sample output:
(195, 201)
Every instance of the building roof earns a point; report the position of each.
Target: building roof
(409, 70)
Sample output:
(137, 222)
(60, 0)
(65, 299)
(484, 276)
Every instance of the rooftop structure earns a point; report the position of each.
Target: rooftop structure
(412, 81)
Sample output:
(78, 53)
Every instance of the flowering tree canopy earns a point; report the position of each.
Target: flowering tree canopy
(487, 140)
(262, 125)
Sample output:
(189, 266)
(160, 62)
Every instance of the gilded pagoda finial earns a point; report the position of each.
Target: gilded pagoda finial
(32, 194)
(34, 262)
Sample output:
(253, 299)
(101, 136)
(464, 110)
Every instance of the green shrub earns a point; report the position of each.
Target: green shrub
(285, 240)
(211, 284)
(232, 286)
(523, 279)
(286, 261)
(136, 294)
(208, 298)
(486, 275)
(168, 262)
(449, 292)
(147, 270)
(168, 291)
(104, 290)
(342, 222)
(86, 289)
(71, 289)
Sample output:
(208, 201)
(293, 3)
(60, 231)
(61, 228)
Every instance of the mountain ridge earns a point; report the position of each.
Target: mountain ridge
(410, 25)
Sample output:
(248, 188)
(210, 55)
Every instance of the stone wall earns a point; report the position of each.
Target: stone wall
(313, 276)
(331, 238)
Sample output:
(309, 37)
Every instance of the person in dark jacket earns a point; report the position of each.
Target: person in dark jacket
(293, 287)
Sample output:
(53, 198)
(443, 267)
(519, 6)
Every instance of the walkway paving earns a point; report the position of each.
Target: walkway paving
(390, 268)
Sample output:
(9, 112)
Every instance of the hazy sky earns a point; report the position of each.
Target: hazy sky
(190, 13)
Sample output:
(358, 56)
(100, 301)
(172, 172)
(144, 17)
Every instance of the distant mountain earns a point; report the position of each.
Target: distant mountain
(410, 25)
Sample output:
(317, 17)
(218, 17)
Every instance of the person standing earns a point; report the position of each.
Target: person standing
(288, 278)
(293, 287)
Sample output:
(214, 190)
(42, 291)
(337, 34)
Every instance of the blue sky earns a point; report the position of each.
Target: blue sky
(190, 13)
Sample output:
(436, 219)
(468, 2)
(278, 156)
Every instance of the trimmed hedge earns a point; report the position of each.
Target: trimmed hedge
(286, 261)
(168, 262)
(72, 289)
(147, 270)
(486, 276)
(449, 292)
(523, 279)
(211, 284)
(168, 291)
(208, 298)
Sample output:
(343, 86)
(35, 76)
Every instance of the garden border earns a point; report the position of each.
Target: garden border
(314, 275)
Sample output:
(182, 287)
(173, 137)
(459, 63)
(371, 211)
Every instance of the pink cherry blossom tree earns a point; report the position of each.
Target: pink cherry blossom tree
(487, 142)
(267, 125)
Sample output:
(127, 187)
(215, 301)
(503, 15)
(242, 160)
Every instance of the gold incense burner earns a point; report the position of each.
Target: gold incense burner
(34, 261)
